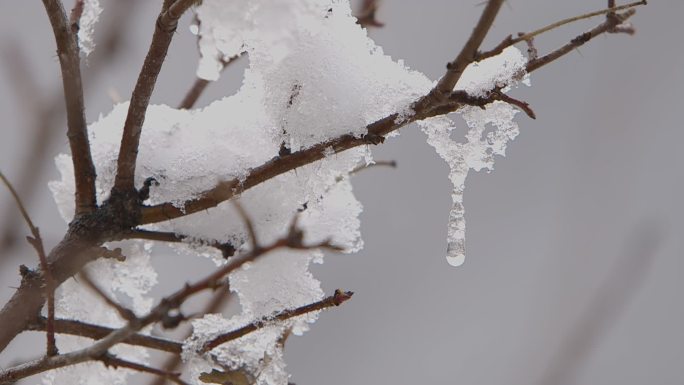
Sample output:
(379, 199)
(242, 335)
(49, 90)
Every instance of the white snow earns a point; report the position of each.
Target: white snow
(90, 16)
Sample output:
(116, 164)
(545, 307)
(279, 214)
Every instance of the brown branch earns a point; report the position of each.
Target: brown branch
(248, 224)
(37, 242)
(379, 163)
(46, 112)
(65, 260)
(469, 52)
(426, 107)
(96, 332)
(78, 246)
(610, 13)
(226, 190)
(334, 300)
(165, 28)
(579, 40)
(124, 312)
(217, 303)
(77, 132)
(160, 312)
(200, 85)
(226, 248)
(110, 360)
(366, 14)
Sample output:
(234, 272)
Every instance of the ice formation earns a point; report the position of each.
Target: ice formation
(480, 147)
(91, 13)
(313, 75)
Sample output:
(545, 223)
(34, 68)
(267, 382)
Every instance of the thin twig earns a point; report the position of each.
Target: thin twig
(217, 303)
(110, 360)
(248, 224)
(366, 14)
(509, 40)
(160, 312)
(124, 312)
(77, 129)
(37, 242)
(96, 332)
(424, 108)
(166, 25)
(200, 85)
(336, 299)
(578, 18)
(578, 41)
(469, 52)
(227, 249)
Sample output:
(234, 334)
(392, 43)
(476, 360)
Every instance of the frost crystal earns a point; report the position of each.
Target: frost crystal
(478, 151)
(91, 13)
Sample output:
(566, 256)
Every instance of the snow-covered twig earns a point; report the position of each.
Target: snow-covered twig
(338, 298)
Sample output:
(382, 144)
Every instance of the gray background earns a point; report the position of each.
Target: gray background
(574, 268)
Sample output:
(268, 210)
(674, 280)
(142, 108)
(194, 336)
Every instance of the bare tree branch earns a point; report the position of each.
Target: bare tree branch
(83, 329)
(217, 303)
(336, 299)
(200, 85)
(69, 60)
(469, 52)
(366, 14)
(110, 360)
(424, 108)
(509, 41)
(166, 25)
(226, 248)
(160, 312)
(37, 242)
(580, 40)
(124, 312)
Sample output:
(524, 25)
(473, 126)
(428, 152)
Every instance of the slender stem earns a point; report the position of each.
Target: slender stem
(124, 312)
(82, 329)
(569, 20)
(166, 25)
(423, 108)
(578, 41)
(217, 303)
(77, 129)
(158, 313)
(334, 300)
(37, 242)
(200, 85)
(227, 249)
(110, 360)
(469, 52)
